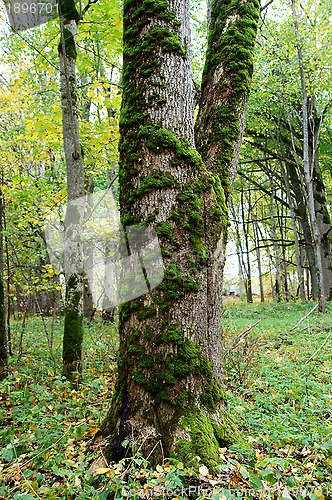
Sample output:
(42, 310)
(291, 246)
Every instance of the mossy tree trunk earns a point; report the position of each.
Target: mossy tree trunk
(3, 336)
(73, 328)
(168, 395)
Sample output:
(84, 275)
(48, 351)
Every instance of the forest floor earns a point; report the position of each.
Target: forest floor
(279, 389)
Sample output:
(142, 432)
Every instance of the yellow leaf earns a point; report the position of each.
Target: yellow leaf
(33, 487)
(318, 493)
(101, 470)
(203, 470)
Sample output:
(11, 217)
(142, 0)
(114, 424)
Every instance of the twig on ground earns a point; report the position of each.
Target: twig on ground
(240, 337)
(319, 348)
(301, 320)
(324, 329)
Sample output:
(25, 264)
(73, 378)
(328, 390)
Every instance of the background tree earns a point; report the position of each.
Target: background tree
(3, 334)
(73, 327)
(31, 143)
(274, 145)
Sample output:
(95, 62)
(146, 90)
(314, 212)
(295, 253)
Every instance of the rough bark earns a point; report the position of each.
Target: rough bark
(73, 328)
(168, 394)
(225, 87)
(220, 121)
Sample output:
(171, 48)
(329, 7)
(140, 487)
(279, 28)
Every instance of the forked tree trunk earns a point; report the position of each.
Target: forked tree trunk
(73, 329)
(168, 395)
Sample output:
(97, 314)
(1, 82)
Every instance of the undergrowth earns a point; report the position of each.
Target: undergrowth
(279, 392)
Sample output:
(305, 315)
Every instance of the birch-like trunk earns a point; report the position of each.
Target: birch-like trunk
(73, 328)
(299, 268)
(278, 284)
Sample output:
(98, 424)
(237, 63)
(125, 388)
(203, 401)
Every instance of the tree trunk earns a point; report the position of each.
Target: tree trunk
(245, 226)
(3, 336)
(299, 267)
(73, 328)
(239, 253)
(168, 395)
(283, 233)
(308, 168)
(278, 284)
(259, 262)
(319, 194)
(295, 183)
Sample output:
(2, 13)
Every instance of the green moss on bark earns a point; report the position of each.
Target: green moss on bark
(204, 436)
(3, 336)
(70, 44)
(232, 36)
(69, 13)
(68, 10)
(166, 374)
(73, 328)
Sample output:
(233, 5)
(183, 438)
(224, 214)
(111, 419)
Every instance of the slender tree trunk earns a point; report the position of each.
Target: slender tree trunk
(278, 284)
(259, 262)
(247, 250)
(73, 329)
(243, 251)
(168, 390)
(239, 253)
(284, 268)
(271, 269)
(3, 334)
(88, 305)
(299, 268)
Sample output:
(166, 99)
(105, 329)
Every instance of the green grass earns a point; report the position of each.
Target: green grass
(279, 389)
